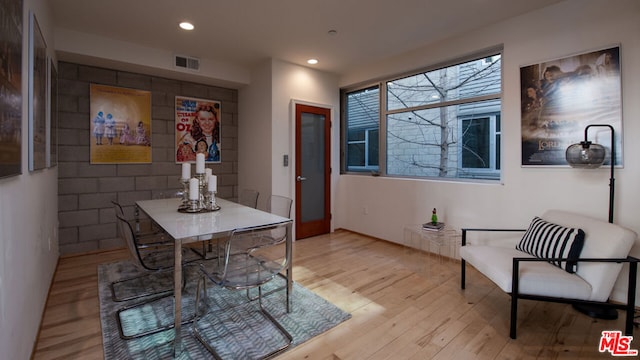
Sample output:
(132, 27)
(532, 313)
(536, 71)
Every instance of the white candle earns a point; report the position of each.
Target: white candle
(207, 172)
(199, 163)
(213, 183)
(186, 171)
(194, 191)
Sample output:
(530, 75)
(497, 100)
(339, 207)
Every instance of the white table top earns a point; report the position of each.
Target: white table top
(187, 227)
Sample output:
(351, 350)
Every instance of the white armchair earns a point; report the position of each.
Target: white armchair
(550, 275)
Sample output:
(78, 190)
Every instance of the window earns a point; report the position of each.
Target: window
(443, 123)
(362, 129)
(480, 151)
(362, 147)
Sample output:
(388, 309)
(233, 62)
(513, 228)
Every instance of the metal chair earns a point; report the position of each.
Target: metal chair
(249, 197)
(277, 205)
(155, 282)
(244, 266)
(280, 205)
(147, 233)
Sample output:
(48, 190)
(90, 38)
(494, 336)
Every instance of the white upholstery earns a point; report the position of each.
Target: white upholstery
(536, 278)
(592, 281)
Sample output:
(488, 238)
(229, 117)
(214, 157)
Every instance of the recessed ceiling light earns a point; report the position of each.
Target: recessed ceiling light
(186, 25)
(312, 61)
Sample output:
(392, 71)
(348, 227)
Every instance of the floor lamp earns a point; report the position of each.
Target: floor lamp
(588, 155)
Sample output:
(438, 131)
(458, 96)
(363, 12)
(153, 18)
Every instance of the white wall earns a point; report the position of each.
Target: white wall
(254, 133)
(564, 29)
(81, 48)
(28, 228)
(294, 83)
(275, 86)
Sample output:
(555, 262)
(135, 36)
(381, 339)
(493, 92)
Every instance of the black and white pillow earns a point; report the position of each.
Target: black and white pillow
(547, 240)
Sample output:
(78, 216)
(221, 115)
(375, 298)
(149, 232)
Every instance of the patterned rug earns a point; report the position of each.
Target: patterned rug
(232, 331)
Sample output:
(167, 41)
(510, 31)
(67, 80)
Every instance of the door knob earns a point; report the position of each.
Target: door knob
(301, 178)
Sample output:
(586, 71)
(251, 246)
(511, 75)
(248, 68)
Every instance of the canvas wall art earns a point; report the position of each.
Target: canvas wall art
(10, 88)
(559, 98)
(120, 125)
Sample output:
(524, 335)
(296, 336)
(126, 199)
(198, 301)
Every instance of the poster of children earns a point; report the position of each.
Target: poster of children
(120, 125)
(197, 129)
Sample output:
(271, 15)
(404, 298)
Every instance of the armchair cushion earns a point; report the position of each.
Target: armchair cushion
(544, 239)
(602, 240)
(536, 278)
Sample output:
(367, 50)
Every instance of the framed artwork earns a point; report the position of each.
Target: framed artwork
(37, 96)
(10, 88)
(120, 125)
(559, 98)
(52, 123)
(197, 129)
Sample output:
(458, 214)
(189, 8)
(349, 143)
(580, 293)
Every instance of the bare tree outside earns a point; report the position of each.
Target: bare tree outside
(442, 123)
(427, 134)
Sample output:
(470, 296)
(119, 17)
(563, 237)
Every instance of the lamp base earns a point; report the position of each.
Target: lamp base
(598, 312)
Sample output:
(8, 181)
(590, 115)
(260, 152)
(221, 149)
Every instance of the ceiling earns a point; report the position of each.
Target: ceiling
(245, 32)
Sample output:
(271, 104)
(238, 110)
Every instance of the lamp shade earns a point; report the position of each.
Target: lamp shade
(585, 155)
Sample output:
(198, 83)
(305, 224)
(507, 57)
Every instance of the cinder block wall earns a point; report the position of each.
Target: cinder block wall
(85, 191)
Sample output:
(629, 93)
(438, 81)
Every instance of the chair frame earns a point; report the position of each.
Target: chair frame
(629, 307)
(151, 297)
(138, 259)
(221, 279)
(287, 215)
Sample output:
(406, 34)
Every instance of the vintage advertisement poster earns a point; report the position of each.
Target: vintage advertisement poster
(120, 125)
(559, 98)
(197, 129)
(10, 88)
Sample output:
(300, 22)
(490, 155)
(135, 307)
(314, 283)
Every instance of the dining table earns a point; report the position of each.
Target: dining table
(186, 228)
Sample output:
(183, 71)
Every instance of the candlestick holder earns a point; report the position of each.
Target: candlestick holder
(202, 184)
(193, 206)
(185, 193)
(210, 201)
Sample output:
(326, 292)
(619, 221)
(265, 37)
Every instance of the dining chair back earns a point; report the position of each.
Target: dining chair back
(249, 197)
(280, 205)
(138, 256)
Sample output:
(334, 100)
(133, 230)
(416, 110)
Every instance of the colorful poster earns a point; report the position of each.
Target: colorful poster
(197, 129)
(120, 125)
(10, 88)
(559, 98)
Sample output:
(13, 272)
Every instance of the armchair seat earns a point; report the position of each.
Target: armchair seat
(536, 278)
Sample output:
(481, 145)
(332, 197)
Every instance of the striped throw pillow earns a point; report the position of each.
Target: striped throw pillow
(547, 240)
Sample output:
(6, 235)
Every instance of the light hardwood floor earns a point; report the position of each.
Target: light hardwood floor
(404, 304)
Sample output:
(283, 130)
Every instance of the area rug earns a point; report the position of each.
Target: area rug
(232, 331)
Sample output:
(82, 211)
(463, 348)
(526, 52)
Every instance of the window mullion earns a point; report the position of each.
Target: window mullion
(445, 104)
